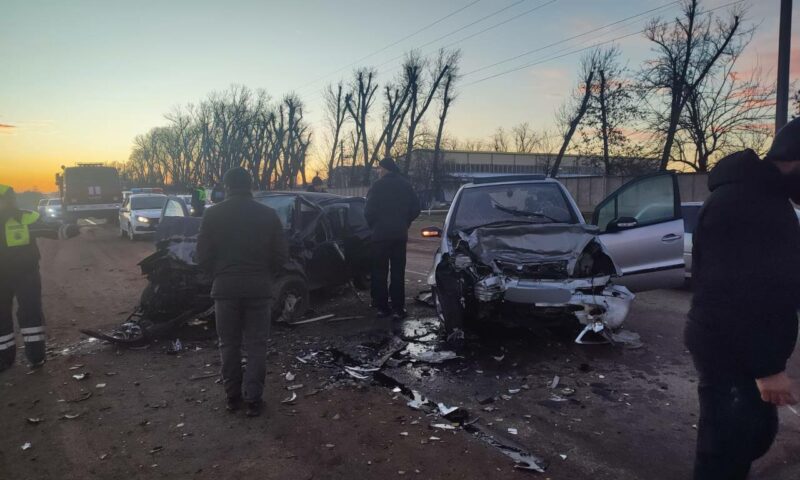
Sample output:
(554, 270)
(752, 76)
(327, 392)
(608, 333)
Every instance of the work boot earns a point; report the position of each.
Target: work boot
(233, 404)
(383, 313)
(38, 364)
(399, 314)
(253, 409)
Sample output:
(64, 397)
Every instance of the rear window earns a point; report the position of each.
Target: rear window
(690, 213)
(283, 206)
(54, 202)
(148, 203)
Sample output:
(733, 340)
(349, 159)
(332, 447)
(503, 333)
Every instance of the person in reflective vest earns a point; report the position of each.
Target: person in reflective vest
(19, 278)
(198, 201)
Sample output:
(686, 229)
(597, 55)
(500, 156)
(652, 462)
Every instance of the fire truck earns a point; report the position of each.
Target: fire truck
(89, 190)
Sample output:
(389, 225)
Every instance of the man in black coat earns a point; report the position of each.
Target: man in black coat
(743, 321)
(242, 244)
(391, 207)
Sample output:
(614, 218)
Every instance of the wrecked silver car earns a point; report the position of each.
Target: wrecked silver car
(518, 247)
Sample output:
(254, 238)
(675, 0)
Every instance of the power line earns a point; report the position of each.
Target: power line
(454, 12)
(539, 49)
(528, 65)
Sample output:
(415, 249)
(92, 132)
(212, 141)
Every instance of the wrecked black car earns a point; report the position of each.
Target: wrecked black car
(518, 247)
(329, 246)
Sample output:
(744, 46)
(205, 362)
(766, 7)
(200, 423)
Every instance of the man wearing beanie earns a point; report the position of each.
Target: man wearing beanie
(241, 243)
(742, 325)
(391, 207)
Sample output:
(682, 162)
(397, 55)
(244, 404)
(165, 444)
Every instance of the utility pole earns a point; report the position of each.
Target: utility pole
(784, 49)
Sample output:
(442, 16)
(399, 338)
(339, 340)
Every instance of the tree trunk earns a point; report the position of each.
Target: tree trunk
(604, 122)
(573, 125)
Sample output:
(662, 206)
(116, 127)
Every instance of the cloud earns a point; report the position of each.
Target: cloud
(7, 126)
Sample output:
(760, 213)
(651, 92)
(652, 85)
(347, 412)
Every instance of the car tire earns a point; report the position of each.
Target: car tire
(291, 298)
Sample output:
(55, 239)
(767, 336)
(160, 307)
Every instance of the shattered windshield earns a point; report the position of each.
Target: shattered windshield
(529, 202)
(283, 206)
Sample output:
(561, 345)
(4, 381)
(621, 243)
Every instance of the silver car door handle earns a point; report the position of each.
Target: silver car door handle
(671, 237)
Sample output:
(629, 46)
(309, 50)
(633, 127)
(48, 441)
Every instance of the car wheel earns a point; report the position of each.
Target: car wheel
(291, 298)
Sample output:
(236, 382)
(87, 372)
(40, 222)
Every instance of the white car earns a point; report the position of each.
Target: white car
(140, 214)
(519, 247)
(690, 211)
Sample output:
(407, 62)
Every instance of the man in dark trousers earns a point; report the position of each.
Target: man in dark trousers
(742, 325)
(391, 207)
(242, 244)
(19, 277)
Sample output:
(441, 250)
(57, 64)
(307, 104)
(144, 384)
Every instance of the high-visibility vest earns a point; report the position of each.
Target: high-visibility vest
(201, 194)
(17, 232)
(4, 189)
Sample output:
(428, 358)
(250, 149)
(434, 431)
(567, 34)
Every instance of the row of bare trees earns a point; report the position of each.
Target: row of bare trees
(237, 127)
(366, 122)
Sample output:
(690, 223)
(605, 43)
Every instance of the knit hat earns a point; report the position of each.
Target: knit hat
(237, 179)
(786, 146)
(389, 164)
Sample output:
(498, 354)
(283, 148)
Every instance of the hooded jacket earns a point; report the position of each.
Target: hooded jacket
(746, 271)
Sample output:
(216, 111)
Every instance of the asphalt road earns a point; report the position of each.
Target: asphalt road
(616, 413)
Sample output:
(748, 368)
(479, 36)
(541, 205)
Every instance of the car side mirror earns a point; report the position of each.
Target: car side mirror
(431, 232)
(622, 223)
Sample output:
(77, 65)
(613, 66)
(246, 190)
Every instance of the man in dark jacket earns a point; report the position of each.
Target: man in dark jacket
(742, 325)
(19, 277)
(391, 207)
(242, 244)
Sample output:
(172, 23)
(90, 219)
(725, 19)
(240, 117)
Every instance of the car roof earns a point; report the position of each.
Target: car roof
(321, 198)
(509, 180)
(144, 195)
(691, 204)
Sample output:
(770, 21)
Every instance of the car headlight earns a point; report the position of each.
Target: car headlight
(143, 219)
(50, 210)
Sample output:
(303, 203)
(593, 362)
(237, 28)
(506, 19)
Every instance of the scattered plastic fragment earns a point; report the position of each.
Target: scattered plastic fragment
(513, 391)
(434, 357)
(397, 390)
(443, 426)
(100, 385)
(294, 387)
(34, 420)
(76, 367)
(434, 439)
(81, 376)
(289, 376)
(175, 347)
(355, 374)
(290, 399)
(315, 319)
(500, 358)
(555, 381)
(329, 445)
(418, 401)
(567, 391)
(71, 416)
(445, 410)
(156, 449)
(563, 457)
(404, 434)
(26, 446)
(512, 431)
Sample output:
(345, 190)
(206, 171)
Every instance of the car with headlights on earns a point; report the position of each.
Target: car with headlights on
(140, 214)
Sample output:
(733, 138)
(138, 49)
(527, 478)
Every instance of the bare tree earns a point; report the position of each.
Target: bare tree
(422, 91)
(446, 98)
(358, 102)
(572, 113)
(336, 112)
(796, 103)
(724, 113)
(687, 50)
(500, 140)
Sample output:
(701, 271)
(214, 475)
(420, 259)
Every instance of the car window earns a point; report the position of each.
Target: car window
(283, 206)
(148, 203)
(537, 202)
(55, 202)
(355, 216)
(173, 209)
(690, 213)
(649, 201)
(43, 202)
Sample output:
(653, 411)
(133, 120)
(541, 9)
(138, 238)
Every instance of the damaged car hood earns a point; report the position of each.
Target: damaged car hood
(530, 243)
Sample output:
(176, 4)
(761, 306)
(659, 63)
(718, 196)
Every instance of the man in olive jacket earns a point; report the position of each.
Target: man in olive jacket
(742, 325)
(242, 244)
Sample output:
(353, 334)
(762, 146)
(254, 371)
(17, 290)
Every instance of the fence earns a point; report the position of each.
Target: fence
(590, 191)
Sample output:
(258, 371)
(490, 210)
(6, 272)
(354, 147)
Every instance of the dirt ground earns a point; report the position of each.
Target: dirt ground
(616, 413)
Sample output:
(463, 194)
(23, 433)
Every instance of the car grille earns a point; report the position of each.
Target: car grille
(540, 271)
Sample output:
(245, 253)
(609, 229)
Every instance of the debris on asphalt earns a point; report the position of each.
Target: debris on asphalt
(514, 391)
(418, 401)
(563, 457)
(499, 358)
(426, 298)
(434, 357)
(567, 392)
(289, 376)
(315, 319)
(626, 338)
(81, 376)
(555, 381)
(443, 426)
(290, 399)
(26, 446)
(355, 374)
(512, 431)
(204, 375)
(84, 396)
(295, 387)
(445, 410)
(175, 347)
(34, 420)
(100, 385)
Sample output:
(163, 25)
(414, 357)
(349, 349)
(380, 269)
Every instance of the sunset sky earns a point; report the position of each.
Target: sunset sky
(80, 79)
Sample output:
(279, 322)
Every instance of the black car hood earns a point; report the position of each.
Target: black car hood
(530, 243)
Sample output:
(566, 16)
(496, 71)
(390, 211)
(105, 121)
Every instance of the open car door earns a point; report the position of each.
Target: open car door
(641, 226)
